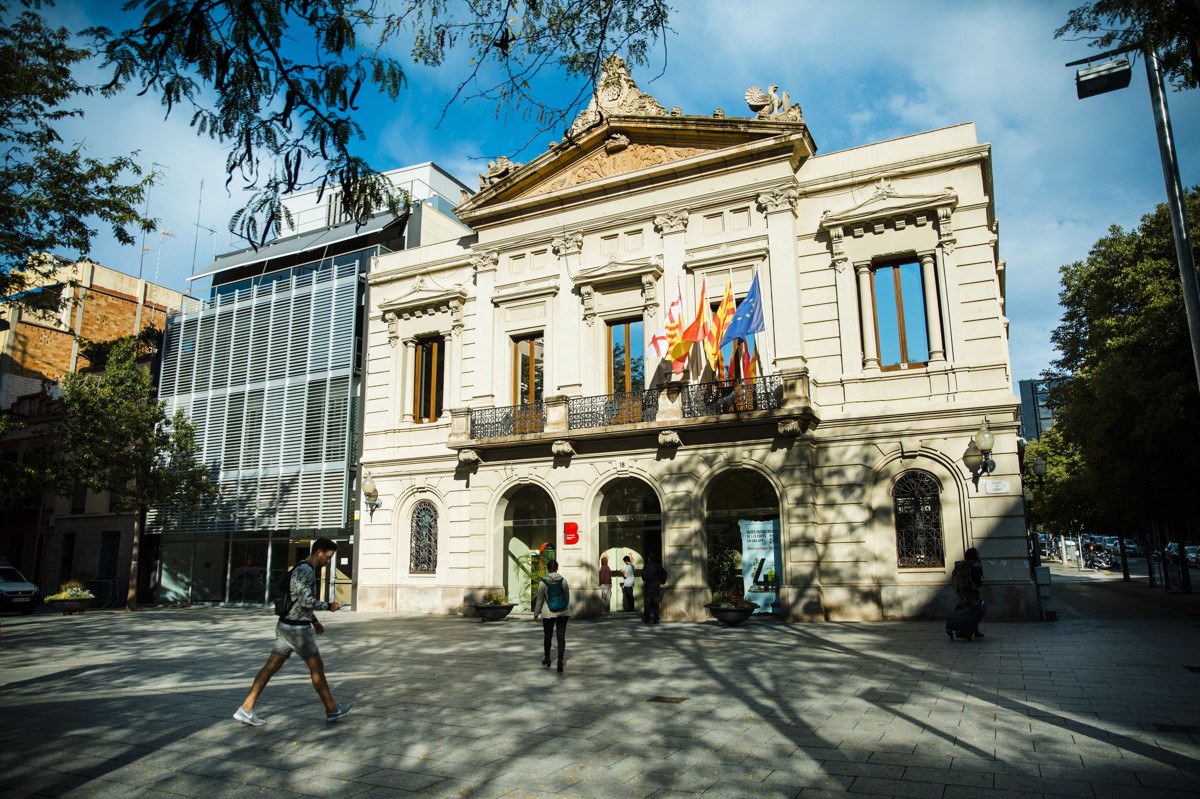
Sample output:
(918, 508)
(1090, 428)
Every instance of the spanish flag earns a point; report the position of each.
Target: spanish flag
(695, 332)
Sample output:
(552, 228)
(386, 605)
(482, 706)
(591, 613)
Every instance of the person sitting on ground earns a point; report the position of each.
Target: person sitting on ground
(963, 623)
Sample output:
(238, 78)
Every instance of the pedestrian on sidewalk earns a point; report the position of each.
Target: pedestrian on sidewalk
(967, 577)
(963, 623)
(553, 601)
(297, 631)
(654, 580)
(627, 587)
(605, 583)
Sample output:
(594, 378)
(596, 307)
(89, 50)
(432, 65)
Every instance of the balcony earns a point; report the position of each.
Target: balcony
(779, 400)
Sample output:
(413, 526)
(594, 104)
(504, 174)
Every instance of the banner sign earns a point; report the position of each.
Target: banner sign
(762, 558)
(571, 533)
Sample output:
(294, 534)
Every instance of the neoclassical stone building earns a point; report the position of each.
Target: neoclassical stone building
(511, 403)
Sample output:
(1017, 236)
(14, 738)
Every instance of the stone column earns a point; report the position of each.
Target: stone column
(784, 311)
(485, 357)
(672, 226)
(866, 313)
(408, 380)
(933, 316)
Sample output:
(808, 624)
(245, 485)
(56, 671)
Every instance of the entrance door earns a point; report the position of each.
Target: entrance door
(529, 529)
(630, 524)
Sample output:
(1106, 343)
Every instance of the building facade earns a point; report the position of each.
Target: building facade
(268, 366)
(52, 538)
(515, 398)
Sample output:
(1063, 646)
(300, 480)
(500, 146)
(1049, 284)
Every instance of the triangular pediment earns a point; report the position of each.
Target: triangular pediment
(884, 203)
(626, 132)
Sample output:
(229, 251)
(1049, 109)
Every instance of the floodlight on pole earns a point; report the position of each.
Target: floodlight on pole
(1093, 80)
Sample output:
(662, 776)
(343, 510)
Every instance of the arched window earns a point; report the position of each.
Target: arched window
(918, 510)
(424, 542)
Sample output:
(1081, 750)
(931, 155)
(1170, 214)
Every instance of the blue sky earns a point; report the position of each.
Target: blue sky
(863, 71)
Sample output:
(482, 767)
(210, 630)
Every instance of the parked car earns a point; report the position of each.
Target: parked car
(1193, 552)
(1134, 550)
(17, 593)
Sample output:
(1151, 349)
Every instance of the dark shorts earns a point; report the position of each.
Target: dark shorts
(292, 638)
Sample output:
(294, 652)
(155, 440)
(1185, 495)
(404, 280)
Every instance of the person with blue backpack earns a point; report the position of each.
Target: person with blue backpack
(553, 603)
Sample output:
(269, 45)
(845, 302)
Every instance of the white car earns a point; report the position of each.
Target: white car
(17, 593)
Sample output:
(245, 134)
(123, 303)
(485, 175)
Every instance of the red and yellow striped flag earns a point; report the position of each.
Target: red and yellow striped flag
(716, 328)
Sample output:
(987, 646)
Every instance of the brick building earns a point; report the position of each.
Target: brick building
(49, 537)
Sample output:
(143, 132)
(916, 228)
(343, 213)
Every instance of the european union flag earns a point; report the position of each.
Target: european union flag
(748, 318)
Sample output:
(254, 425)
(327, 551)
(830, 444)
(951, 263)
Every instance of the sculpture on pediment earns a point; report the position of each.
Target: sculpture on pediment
(616, 95)
(769, 105)
(497, 170)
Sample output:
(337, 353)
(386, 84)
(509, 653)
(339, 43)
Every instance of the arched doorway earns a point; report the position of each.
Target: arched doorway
(630, 524)
(743, 536)
(529, 524)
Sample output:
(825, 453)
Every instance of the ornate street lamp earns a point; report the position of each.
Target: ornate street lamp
(978, 457)
(370, 493)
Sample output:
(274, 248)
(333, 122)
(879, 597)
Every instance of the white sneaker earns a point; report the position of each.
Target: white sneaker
(249, 718)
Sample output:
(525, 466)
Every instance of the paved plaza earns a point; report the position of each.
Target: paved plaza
(139, 705)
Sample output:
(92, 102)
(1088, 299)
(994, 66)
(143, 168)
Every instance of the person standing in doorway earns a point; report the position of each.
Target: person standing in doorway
(554, 602)
(627, 587)
(654, 579)
(605, 583)
(976, 566)
(297, 631)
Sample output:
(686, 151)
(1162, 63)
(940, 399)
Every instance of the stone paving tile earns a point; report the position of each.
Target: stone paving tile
(921, 790)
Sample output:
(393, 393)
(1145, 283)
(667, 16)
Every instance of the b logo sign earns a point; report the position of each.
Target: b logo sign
(570, 533)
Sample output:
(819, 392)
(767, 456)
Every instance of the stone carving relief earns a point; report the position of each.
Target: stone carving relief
(604, 164)
(588, 293)
(769, 105)
(616, 94)
(838, 239)
(393, 326)
(469, 457)
(669, 439)
(616, 143)
(497, 171)
(672, 221)
(946, 237)
(568, 244)
(779, 200)
(649, 296)
(486, 261)
(562, 449)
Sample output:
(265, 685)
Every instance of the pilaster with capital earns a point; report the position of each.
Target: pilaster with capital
(567, 312)
(486, 355)
(786, 312)
(672, 225)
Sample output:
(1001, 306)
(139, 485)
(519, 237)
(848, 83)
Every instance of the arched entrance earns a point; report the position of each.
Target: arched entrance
(529, 523)
(743, 535)
(630, 524)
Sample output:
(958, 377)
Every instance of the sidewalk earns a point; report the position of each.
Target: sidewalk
(132, 706)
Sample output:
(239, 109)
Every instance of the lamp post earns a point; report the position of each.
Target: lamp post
(1115, 74)
(978, 457)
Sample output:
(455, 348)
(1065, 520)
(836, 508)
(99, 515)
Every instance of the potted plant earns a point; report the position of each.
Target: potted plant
(493, 607)
(72, 597)
(729, 609)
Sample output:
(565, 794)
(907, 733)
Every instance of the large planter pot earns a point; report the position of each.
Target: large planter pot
(492, 612)
(730, 616)
(69, 606)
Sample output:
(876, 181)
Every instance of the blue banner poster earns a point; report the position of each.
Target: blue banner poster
(762, 558)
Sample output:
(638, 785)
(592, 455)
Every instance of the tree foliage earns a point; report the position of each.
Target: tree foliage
(52, 197)
(279, 80)
(1171, 27)
(1127, 411)
(117, 438)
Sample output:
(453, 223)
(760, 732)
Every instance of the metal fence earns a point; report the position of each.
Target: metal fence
(510, 421)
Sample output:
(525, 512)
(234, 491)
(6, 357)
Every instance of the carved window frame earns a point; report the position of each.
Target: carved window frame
(902, 326)
(429, 378)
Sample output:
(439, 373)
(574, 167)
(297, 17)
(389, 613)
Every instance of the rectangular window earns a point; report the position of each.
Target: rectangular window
(79, 498)
(66, 558)
(900, 316)
(110, 548)
(429, 379)
(626, 357)
(528, 371)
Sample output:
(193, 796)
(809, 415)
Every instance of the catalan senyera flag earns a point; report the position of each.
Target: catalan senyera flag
(693, 333)
(674, 330)
(718, 325)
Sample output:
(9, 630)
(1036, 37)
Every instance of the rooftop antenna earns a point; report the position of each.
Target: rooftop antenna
(146, 212)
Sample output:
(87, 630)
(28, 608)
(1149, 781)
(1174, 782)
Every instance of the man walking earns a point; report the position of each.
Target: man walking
(654, 579)
(627, 587)
(605, 583)
(297, 631)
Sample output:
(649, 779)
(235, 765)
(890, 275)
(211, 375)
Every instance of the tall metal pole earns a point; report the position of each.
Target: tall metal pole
(1175, 202)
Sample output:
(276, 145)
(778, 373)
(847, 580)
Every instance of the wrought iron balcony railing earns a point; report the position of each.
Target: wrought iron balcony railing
(623, 408)
(511, 421)
(732, 396)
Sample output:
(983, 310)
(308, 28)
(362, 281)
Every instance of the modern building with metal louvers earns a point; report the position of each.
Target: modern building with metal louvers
(268, 367)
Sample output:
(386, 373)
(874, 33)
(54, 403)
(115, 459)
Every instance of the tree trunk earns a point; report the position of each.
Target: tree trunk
(131, 594)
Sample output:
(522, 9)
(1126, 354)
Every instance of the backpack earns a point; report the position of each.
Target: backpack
(960, 578)
(556, 595)
(281, 593)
